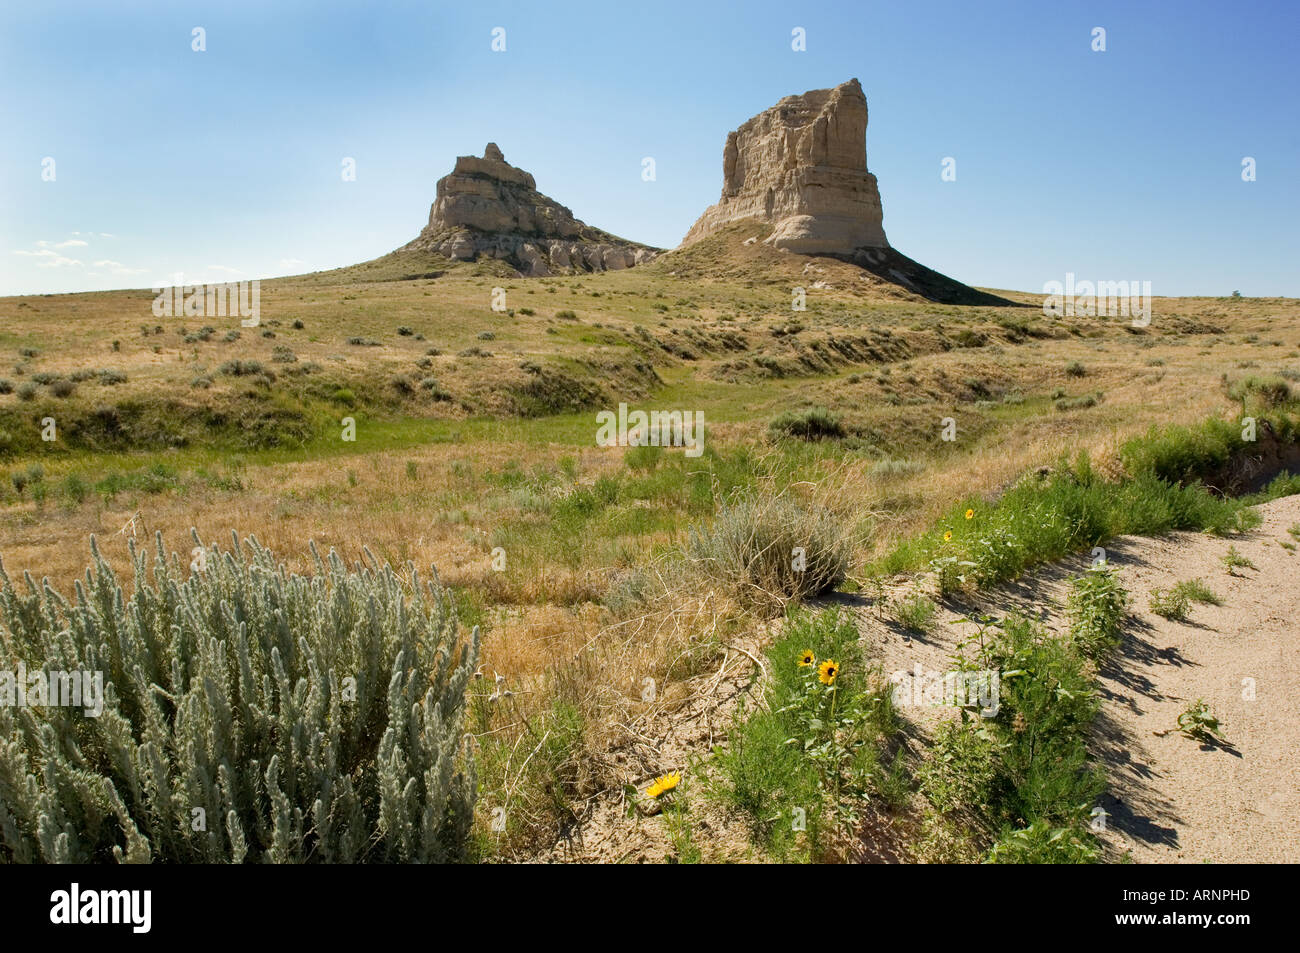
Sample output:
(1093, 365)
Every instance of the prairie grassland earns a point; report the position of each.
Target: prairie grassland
(475, 440)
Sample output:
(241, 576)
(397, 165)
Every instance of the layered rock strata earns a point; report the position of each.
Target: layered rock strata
(802, 167)
(487, 207)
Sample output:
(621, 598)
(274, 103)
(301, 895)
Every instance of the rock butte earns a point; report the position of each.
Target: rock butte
(799, 167)
(488, 207)
(802, 167)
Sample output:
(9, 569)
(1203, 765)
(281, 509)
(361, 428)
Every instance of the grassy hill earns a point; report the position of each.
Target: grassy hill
(475, 434)
(423, 364)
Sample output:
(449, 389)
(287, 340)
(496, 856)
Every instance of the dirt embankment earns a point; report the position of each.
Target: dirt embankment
(1172, 799)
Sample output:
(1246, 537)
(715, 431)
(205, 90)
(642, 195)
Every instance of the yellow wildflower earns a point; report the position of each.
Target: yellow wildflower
(664, 784)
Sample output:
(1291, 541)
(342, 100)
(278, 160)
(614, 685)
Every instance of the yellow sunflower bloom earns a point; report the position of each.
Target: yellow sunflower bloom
(970, 514)
(664, 784)
(806, 658)
(947, 536)
(827, 671)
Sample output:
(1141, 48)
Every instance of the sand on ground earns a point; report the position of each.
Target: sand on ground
(1172, 799)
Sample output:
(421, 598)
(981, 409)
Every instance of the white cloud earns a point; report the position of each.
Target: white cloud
(49, 258)
(46, 254)
(291, 262)
(117, 268)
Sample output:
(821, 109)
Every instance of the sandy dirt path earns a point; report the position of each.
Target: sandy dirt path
(1173, 800)
(1170, 798)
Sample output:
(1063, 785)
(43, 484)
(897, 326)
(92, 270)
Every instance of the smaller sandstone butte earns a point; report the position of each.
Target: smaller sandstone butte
(488, 207)
(802, 166)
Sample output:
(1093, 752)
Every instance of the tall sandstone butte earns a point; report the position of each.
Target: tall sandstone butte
(802, 166)
(488, 207)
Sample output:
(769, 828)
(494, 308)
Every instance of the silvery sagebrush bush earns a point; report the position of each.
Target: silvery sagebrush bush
(751, 549)
(307, 718)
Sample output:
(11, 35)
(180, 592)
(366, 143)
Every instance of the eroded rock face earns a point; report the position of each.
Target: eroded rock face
(802, 166)
(488, 207)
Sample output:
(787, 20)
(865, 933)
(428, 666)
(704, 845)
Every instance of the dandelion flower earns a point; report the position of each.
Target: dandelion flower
(970, 514)
(806, 658)
(664, 784)
(947, 536)
(827, 671)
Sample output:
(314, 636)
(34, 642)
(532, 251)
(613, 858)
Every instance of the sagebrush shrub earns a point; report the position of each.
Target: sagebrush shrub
(889, 468)
(250, 714)
(769, 550)
(238, 368)
(814, 423)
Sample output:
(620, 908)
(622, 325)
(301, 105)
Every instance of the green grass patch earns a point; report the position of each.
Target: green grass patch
(800, 766)
(1172, 604)
(1197, 591)
(1043, 518)
(1096, 605)
(913, 612)
(1187, 455)
(1023, 773)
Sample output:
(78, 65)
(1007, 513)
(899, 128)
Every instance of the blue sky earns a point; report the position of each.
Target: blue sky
(225, 164)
